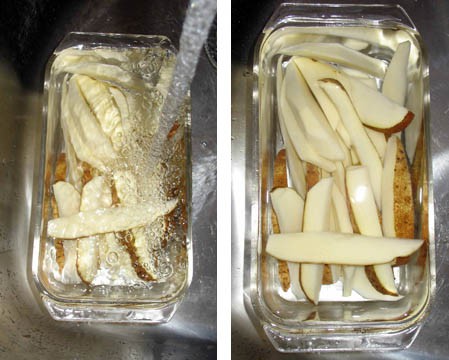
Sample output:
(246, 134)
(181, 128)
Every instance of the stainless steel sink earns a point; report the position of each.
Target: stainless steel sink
(29, 33)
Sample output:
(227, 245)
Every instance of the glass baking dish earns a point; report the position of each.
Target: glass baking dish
(138, 274)
(337, 323)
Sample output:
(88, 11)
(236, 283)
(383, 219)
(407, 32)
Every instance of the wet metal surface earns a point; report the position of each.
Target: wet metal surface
(28, 34)
(431, 19)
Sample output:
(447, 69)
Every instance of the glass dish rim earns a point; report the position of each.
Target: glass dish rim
(39, 183)
(254, 304)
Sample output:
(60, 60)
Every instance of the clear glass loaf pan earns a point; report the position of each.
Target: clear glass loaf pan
(336, 323)
(114, 295)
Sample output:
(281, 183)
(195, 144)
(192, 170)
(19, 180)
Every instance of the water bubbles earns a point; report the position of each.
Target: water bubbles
(112, 258)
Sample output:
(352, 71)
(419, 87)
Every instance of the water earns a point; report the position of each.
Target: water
(162, 250)
(199, 17)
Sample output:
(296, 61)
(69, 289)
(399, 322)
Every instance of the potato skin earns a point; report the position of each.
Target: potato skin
(280, 180)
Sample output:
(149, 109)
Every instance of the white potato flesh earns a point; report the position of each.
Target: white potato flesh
(290, 127)
(106, 72)
(339, 248)
(309, 115)
(87, 258)
(365, 213)
(87, 223)
(115, 263)
(295, 169)
(68, 200)
(326, 104)
(89, 128)
(364, 288)
(96, 195)
(362, 144)
(289, 208)
(373, 108)
(378, 140)
(339, 54)
(344, 225)
(103, 106)
(316, 218)
(395, 81)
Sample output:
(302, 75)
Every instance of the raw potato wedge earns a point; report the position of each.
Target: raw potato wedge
(87, 223)
(397, 199)
(316, 218)
(395, 81)
(103, 106)
(89, 130)
(341, 248)
(309, 115)
(68, 201)
(280, 181)
(295, 169)
(288, 209)
(378, 140)
(339, 54)
(343, 221)
(365, 213)
(96, 195)
(362, 144)
(362, 285)
(374, 109)
(60, 175)
(290, 128)
(313, 175)
(135, 240)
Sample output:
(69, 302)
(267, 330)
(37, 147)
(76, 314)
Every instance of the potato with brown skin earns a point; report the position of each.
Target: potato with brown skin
(280, 180)
(404, 212)
(313, 175)
(60, 175)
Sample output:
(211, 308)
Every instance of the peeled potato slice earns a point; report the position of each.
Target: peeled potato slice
(341, 248)
(395, 81)
(316, 218)
(68, 201)
(362, 144)
(103, 106)
(87, 223)
(96, 195)
(374, 109)
(88, 127)
(366, 216)
(308, 114)
(290, 127)
(339, 54)
(295, 169)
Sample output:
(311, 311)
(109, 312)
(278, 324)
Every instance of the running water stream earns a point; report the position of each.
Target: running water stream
(198, 20)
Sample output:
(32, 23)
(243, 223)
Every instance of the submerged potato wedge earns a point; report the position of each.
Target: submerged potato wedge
(341, 248)
(362, 144)
(87, 223)
(280, 181)
(316, 218)
(366, 215)
(309, 116)
(374, 109)
(395, 81)
(68, 202)
(397, 200)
